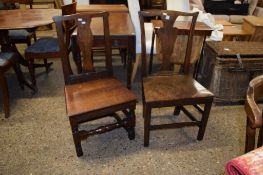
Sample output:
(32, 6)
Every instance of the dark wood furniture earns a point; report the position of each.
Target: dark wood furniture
(8, 60)
(102, 7)
(23, 19)
(21, 35)
(167, 89)
(254, 114)
(46, 47)
(153, 4)
(93, 93)
(122, 35)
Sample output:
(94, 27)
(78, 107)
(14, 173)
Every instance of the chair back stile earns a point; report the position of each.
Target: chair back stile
(85, 41)
(167, 35)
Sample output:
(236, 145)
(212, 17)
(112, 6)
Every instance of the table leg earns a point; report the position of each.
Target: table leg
(131, 59)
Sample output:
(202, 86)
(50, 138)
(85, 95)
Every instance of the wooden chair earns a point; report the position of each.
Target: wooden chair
(46, 47)
(91, 94)
(20, 35)
(254, 113)
(167, 89)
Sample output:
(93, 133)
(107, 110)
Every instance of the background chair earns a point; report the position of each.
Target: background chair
(166, 89)
(20, 35)
(93, 94)
(46, 47)
(254, 113)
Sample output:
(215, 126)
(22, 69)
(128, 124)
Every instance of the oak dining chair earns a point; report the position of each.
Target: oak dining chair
(165, 88)
(254, 114)
(93, 92)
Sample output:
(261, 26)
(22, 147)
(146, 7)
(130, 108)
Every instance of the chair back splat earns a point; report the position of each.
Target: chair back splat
(167, 35)
(85, 66)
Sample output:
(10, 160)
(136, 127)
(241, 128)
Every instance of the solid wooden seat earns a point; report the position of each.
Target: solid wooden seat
(90, 93)
(96, 94)
(165, 88)
(169, 88)
(254, 114)
(46, 47)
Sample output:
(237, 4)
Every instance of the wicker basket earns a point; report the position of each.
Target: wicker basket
(227, 67)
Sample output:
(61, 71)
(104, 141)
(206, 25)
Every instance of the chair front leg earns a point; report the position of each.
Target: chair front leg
(250, 138)
(31, 70)
(5, 94)
(204, 120)
(76, 138)
(131, 124)
(147, 124)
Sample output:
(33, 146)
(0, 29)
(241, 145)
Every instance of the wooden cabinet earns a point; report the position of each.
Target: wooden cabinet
(153, 4)
(254, 25)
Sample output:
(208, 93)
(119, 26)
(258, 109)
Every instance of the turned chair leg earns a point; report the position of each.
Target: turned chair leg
(147, 123)
(5, 94)
(250, 138)
(204, 120)
(76, 139)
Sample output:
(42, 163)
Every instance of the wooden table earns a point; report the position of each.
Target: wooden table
(235, 31)
(122, 35)
(102, 7)
(223, 22)
(183, 27)
(23, 19)
(254, 25)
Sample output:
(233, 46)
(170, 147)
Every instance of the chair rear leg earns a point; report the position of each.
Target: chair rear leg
(147, 124)
(31, 70)
(260, 137)
(76, 138)
(5, 94)
(131, 125)
(204, 120)
(250, 138)
(177, 110)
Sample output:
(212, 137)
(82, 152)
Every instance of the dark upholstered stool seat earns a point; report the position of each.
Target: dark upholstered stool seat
(5, 57)
(105, 92)
(44, 45)
(21, 34)
(168, 88)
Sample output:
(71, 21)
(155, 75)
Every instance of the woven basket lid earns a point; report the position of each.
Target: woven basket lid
(232, 48)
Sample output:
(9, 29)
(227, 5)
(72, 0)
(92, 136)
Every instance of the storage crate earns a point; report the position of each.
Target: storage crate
(227, 67)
